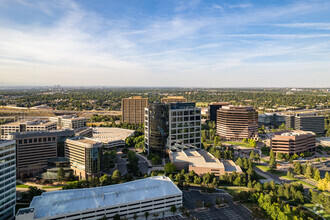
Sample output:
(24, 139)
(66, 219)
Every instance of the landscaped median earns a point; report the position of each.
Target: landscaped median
(282, 174)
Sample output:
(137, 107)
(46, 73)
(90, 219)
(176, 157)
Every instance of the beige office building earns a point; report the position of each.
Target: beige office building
(172, 99)
(133, 109)
(237, 122)
(202, 162)
(293, 142)
(35, 125)
(85, 155)
(69, 121)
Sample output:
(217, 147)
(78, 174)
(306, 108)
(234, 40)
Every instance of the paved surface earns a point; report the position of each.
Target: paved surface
(231, 212)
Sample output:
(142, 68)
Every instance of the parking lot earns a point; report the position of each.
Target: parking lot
(232, 211)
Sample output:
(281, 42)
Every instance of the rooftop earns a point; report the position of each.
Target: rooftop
(199, 158)
(77, 200)
(107, 135)
(88, 142)
(29, 123)
(64, 132)
(297, 133)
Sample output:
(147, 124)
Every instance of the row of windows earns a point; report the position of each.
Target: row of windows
(7, 153)
(186, 124)
(2, 172)
(2, 178)
(4, 166)
(180, 113)
(8, 187)
(11, 192)
(186, 130)
(36, 140)
(6, 148)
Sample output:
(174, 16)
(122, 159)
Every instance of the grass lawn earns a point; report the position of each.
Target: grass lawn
(323, 213)
(263, 160)
(264, 168)
(51, 187)
(19, 185)
(234, 190)
(237, 143)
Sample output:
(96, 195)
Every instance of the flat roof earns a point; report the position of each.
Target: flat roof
(30, 123)
(107, 135)
(87, 142)
(27, 134)
(78, 200)
(199, 158)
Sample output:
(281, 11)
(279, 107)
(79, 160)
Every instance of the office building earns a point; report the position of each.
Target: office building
(172, 99)
(132, 109)
(170, 124)
(156, 128)
(237, 122)
(155, 195)
(84, 132)
(201, 162)
(305, 122)
(310, 122)
(69, 121)
(35, 148)
(293, 142)
(85, 155)
(111, 137)
(7, 179)
(213, 109)
(271, 119)
(35, 125)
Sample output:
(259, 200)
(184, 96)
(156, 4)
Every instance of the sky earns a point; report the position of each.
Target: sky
(165, 43)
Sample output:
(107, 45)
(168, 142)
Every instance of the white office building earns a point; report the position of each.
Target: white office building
(7, 179)
(152, 195)
(69, 121)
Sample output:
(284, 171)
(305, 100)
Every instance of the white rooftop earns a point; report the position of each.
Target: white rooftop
(106, 135)
(199, 158)
(77, 200)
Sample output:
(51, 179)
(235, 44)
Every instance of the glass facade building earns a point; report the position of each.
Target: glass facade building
(170, 124)
(7, 179)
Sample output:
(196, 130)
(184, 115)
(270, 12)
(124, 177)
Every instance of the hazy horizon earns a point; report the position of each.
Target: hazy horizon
(178, 44)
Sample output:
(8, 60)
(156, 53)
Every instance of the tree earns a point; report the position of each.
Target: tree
(169, 168)
(105, 180)
(252, 156)
(272, 160)
(146, 214)
(327, 176)
(297, 168)
(60, 175)
(116, 176)
(309, 172)
(116, 217)
(173, 209)
(71, 177)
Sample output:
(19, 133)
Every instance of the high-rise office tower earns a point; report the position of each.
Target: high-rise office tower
(132, 109)
(85, 155)
(213, 108)
(171, 124)
(172, 99)
(237, 122)
(7, 179)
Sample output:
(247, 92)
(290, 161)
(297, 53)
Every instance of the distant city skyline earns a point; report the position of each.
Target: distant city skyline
(140, 43)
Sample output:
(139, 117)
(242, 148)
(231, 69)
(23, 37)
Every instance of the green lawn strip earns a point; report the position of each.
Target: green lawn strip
(51, 187)
(264, 168)
(263, 160)
(237, 143)
(234, 190)
(19, 185)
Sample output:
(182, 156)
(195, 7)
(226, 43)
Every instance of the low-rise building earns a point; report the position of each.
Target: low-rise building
(7, 179)
(85, 155)
(293, 142)
(202, 162)
(35, 148)
(35, 125)
(69, 121)
(155, 195)
(84, 132)
(305, 122)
